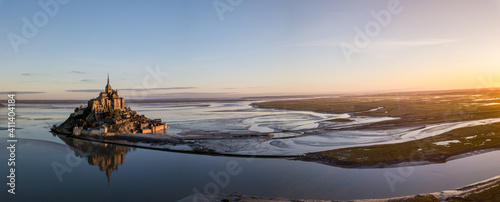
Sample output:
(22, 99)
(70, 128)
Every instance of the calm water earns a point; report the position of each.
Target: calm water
(96, 171)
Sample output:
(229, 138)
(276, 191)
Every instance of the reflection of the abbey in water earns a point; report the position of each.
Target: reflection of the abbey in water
(107, 156)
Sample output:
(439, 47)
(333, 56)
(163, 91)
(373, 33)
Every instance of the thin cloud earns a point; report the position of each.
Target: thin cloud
(87, 80)
(85, 91)
(385, 43)
(194, 95)
(147, 89)
(129, 89)
(248, 87)
(31, 74)
(418, 43)
(77, 72)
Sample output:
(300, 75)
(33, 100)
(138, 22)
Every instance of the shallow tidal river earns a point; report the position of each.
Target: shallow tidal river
(50, 167)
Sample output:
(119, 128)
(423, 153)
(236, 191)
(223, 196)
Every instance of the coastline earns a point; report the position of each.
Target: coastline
(162, 142)
(416, 109)
(318, 158)
(473, 140)
(157, 143)
(433, 149)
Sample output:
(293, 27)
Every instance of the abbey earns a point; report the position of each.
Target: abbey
(106, 115)
(106, 102)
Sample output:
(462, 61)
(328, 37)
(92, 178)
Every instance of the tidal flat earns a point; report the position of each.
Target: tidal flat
(411, 108)
(354, 131)
(437, 113)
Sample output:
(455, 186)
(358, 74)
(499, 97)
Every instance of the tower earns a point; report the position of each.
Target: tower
(108, 87)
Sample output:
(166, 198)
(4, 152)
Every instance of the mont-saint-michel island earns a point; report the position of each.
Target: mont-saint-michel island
(107, 115)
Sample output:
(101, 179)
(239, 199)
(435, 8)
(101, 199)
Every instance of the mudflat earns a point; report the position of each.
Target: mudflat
(412, 109)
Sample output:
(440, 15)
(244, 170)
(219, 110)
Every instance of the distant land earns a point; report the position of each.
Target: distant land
(413, 108)
(64, 101)
(259, 97)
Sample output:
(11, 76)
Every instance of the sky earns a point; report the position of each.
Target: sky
(65, 49)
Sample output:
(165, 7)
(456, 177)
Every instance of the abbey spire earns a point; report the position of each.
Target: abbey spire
(108, 86)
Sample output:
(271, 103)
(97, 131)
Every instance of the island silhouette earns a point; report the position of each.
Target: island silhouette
(106, 116)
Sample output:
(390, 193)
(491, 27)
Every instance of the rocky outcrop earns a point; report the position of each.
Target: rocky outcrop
(106, 115)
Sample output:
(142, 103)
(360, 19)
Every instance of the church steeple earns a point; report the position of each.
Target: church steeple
(108, 86)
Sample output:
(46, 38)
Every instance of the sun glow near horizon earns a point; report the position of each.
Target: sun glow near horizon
(262, 47)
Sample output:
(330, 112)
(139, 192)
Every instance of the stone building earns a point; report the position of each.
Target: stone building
(106, 115)
(77, 131)
(105, 102)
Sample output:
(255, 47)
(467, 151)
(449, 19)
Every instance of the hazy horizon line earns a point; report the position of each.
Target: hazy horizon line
(270, 95)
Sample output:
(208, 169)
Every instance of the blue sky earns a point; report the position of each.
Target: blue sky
(268, 47)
